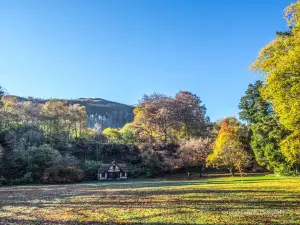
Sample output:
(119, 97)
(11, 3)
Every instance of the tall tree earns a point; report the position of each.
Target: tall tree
(253, 107)
(192, 114)
(280, 62)
(266, 130)
(166, 119)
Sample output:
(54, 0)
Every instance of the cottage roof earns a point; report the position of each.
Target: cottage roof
(123, 167)
(105, 167)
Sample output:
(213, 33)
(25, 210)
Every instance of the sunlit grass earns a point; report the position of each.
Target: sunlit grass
(255, 200)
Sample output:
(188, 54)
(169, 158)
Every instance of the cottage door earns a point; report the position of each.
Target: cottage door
(113, 175)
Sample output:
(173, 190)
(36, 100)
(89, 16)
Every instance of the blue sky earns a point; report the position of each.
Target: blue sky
(120, 50)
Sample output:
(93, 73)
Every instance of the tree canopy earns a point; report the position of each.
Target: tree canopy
(228, 150)
(279, 61)
(165, 119)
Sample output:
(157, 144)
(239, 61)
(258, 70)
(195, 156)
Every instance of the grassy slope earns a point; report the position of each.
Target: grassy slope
(257, 200)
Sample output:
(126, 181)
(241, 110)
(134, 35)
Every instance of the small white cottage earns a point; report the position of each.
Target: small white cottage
(113, 171)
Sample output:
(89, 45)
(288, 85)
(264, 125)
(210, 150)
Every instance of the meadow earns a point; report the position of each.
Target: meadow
(253, 200)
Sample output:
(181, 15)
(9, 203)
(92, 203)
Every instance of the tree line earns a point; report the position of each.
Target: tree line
(50, 142)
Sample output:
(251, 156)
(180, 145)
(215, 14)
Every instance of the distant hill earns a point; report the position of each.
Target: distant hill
(101, 113)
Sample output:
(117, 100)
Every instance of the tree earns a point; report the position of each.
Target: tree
(194, 152)
(1, 95)
(253, 107)
(91, 168)
(128, 134)
(11, 111)
(155, 118)
(243, 131)
(192, 114)
(113, 135)
(54, 115)
(290, 147)
(267, 132)
(76, 120)
(279, 61)
(1, 155)
(39, 158)
(228, 151)
(165, 119)
(59, 118)
(265, 142)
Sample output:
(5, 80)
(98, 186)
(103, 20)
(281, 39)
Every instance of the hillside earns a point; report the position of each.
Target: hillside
(101, 113)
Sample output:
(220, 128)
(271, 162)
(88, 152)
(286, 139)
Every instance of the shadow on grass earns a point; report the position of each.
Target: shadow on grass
(132, 196)
(196, 199)
(75, 222)
(166, 183)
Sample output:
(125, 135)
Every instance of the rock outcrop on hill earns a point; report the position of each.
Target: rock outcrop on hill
(100, 113)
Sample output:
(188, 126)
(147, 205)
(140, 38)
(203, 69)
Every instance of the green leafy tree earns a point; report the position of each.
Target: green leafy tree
(113, 135)
(265, 142)
(91, 168)
(279, 61)
(38, 159)
(128, 134)
(266, 130)
(290, 147)
(253, 107)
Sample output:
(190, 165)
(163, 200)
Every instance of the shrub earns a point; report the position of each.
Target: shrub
(64, 170)
(40, 158)
(3, 181)
(136, 170)
(91, 168)
(26, 179)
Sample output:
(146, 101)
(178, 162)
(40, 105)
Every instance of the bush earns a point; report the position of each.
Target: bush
(284, 170)
(3, 181)
(150, 166)
(40, 158)
(135, 170)
(149, 174)
(26, 179)
(65, 170)
(156, 160)
(91, 168)
(70, 174)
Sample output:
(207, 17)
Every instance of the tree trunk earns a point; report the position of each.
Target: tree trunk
(201, 171)
(297, 170)
(241, 172)
(231, 171)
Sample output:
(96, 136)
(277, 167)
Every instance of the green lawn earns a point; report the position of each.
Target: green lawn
(256, 200)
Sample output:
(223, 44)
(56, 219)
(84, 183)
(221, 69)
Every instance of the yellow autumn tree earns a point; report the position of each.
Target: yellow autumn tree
(228, 150)
(279, 61)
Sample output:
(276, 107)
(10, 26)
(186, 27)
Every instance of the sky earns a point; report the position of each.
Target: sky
(120, 50)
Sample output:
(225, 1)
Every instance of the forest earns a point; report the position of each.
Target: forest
(50, 142)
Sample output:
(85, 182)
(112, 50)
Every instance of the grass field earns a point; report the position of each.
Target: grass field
(256, 200)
